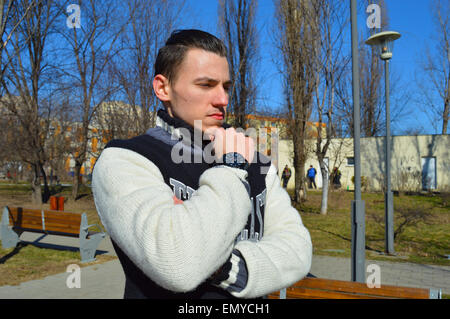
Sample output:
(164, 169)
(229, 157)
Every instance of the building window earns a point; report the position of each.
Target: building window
(350, 161)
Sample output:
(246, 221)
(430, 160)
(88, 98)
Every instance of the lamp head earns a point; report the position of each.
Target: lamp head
(385, 42)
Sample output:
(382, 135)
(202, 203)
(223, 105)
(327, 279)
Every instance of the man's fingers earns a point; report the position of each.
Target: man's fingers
(211, 132)
(230, 141)
(176, 201)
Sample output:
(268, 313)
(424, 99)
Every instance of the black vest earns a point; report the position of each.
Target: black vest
(183, 177)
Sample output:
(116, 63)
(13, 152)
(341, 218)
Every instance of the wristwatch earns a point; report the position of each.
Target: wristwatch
(235, 160)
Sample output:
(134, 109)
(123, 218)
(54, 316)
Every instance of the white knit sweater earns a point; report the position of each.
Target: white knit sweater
(180, 246)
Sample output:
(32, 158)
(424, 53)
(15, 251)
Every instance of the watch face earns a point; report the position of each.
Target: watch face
(238, 158)
(229, 158)
(235, 160)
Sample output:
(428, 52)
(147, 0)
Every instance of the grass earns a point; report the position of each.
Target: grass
(28, 262)
(57, 190)
(423, 240)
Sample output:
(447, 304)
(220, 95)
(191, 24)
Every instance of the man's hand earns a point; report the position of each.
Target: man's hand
(230, 141)
(177, 201)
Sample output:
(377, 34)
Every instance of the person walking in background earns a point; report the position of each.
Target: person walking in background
(286, 176)
(336, 178)
(312, 177)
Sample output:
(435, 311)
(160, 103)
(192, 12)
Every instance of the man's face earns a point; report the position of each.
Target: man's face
(200, 89)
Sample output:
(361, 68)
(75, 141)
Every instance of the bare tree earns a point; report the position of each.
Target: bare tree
(331, 63)
(8, 9)
(59, 137)
(298, 30)
(237, 24)
(437, 69)
(372, 95)
(371, 75)
(371, 86)
(8, 26)
(150, 23)
(91, 49)
(24, 81)
(116, 120)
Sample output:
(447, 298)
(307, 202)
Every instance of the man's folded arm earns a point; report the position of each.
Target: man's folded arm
(177, 246)
(283, 255)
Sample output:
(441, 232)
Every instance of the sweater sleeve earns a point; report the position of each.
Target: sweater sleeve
(283, 255)
(177, 246)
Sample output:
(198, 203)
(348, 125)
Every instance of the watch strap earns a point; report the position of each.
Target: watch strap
(235, 160)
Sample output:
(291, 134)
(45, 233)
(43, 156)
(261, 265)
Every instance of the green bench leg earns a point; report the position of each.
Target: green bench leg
(9, 237)
(88, 246)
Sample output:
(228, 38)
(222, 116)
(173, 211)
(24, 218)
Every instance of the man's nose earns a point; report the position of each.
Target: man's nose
(221, 97)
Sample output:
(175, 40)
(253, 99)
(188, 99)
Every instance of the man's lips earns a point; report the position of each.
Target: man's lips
(217, 116)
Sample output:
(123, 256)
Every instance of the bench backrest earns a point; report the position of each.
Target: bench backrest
(50, 221)
(318, 288)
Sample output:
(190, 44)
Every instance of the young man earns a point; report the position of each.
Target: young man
(312, 176)
(195, 228)
(286, 176)
(336, 178)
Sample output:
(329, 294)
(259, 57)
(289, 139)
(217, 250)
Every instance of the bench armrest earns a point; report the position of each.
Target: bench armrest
(89, 226)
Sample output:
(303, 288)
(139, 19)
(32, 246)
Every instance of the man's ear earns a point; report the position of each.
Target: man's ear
(161, 88)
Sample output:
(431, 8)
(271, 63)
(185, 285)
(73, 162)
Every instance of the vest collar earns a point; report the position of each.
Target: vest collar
(180, 130)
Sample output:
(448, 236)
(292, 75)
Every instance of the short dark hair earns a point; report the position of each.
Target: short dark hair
(173, 52)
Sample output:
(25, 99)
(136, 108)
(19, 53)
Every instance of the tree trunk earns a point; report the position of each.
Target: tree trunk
(46, 194)
(76, 180)
(324, 204)
(299, 166)
(300, 190)
(445, 115)
(36, 194)
(445, 119)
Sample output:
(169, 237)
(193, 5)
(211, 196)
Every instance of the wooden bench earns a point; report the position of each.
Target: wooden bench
(318, 288)
(16, 220)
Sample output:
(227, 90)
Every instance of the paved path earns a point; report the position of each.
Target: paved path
(106, 281)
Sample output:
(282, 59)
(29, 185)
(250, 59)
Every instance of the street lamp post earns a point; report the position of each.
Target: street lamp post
(385, 42)
(358, 227)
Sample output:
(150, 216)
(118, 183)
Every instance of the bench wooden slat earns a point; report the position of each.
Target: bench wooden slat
(32, 219)
(319, 288)
(306, 293)
(361, 288)
(54, 221)
(66, 216)
(274, 295)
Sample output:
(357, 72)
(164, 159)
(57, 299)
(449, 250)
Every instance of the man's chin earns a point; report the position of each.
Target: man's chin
(212, 124)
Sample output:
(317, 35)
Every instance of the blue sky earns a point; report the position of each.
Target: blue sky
(411, 18)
